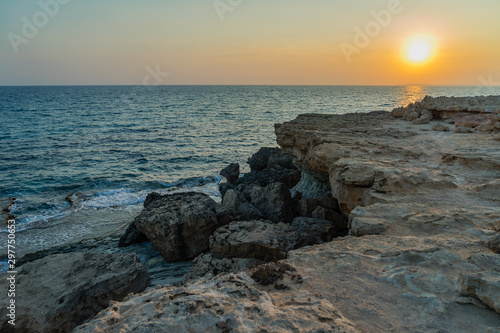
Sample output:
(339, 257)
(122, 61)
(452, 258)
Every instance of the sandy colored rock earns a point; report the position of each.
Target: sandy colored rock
(59, 292)
(227, 303)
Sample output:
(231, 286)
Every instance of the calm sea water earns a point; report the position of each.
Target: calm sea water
(109, 146)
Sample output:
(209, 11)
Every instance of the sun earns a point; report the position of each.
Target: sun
(418, 50)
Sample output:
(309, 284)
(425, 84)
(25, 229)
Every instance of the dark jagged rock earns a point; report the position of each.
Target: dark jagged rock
(235, 207)
(59, 292)
(131, 236)
(273, 201)
(268, 157)
(270, 165)
(179, 225)
(289, 177)
(254, 239)
(314, 231)
(224, 187)
(231, 172)
(150, 198)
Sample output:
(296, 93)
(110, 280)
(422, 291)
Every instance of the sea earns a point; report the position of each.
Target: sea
(77, 162)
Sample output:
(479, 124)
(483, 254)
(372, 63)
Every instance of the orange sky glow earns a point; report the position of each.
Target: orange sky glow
(315, 42)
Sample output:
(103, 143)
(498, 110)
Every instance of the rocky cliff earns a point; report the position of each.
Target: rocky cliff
(422, 254)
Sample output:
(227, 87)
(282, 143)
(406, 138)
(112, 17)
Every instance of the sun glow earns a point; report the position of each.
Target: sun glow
(418, 50)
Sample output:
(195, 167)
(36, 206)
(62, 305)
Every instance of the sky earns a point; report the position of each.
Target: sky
(284, 42)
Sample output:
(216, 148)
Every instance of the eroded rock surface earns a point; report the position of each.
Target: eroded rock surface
(226, 303)
(179, 225)
(254, 239)
(61, 291)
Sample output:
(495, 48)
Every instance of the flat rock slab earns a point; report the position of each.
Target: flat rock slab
(59, 292)
(403, 284)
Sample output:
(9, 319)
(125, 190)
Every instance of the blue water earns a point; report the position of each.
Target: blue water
(114, 144)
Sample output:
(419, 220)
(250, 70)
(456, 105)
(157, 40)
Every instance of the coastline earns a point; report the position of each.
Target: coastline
(420, 205)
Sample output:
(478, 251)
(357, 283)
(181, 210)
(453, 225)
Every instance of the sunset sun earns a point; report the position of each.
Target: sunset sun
(418, 50)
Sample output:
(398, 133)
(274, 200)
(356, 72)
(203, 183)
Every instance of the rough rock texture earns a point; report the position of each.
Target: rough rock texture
(468, 113)
(384, 283)
(231, 172)
(131, 236)
(373, 158)
(236, 207)
(206, 264)
(270, 165)
(226, 303)
(426, 204)
(253, 239)
(483, 284)
(179, 225)
(274, 201)
(314, 231)
(59, 292)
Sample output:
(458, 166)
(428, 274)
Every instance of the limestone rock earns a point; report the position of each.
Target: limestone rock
(289, 177)
(270, 165)
(440, 128)
(231, 172)
(59, 292)
(131, 236)
(238, 208)
(253, 239)
(179, 225)
(378, 281)
(273, 201)
(208, 265)
(268, 157)
(314, 231)
(485, 283)
(226, 303)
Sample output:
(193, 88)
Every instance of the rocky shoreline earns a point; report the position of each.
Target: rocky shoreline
(377, 222)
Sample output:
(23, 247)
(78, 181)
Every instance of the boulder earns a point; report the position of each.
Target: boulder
(131, 236)
(179, 225)
(231, 172)
(274, 201)
(270, 165)
(236, 207)
(59, 292)
(254, 239)
(289, 177)
(268, 157)
(207, 264)
(224, 187)
(314, 231)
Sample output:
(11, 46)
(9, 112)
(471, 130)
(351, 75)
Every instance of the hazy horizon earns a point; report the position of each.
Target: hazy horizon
(237, 42)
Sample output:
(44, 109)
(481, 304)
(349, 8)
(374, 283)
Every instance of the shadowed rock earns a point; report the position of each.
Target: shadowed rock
(179, 225)
(231, 172)
(59, 292)
(253, 239)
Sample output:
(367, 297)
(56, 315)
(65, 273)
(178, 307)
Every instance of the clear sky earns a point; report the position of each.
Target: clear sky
(332, 42)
